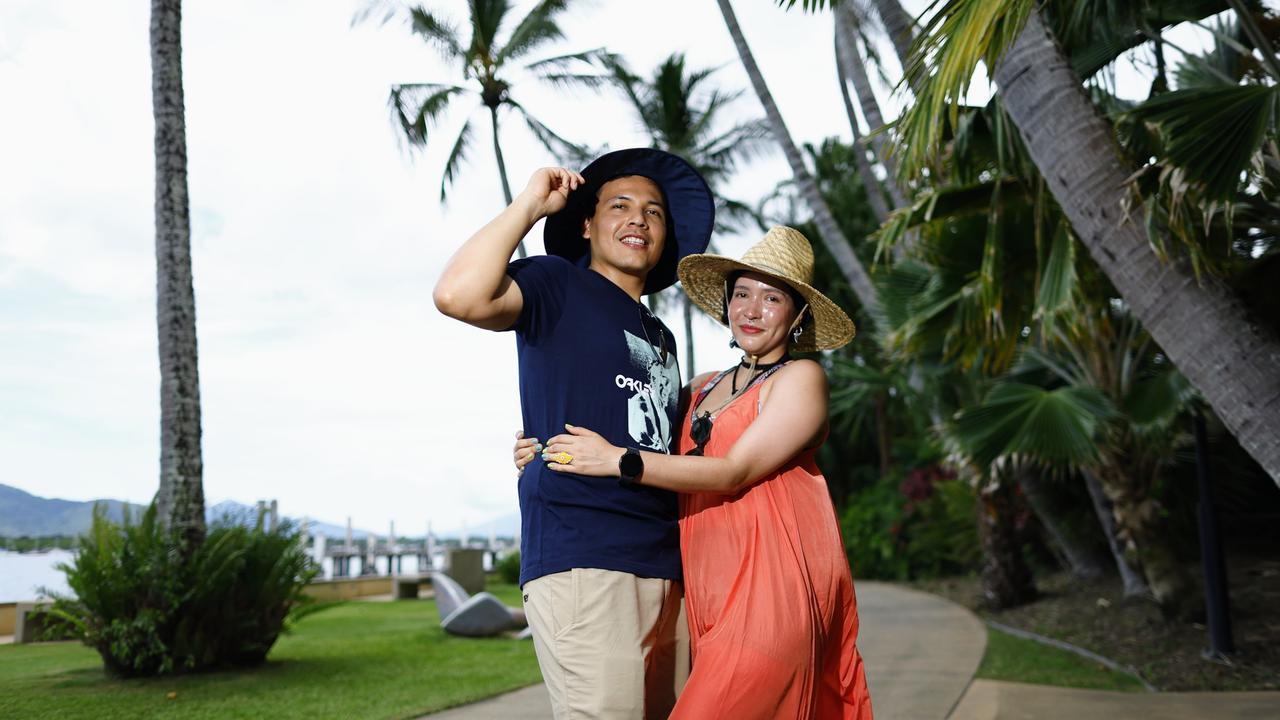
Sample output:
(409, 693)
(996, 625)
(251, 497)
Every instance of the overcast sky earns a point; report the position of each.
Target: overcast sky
(328, 380)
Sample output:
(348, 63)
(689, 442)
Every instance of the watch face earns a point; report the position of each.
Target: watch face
(631, 465)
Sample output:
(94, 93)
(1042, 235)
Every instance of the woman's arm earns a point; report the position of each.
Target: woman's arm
(788, 423)
(474, 286)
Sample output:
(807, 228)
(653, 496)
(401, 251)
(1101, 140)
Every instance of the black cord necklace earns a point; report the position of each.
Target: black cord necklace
(755, 370)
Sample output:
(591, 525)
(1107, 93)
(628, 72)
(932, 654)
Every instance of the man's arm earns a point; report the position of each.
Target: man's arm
(474, 286)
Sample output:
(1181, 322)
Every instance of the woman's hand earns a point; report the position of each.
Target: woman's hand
(589, 453)
(524, 451)
(548, 190)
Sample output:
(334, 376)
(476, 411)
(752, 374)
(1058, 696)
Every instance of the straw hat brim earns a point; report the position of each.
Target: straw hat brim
(703, 277)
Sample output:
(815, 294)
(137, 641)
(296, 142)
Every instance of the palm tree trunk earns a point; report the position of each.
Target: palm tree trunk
(835, 240)
(180, 499)
(1006, 579)
(1198, 322)
(687, 304)
(1079, 556)
(900, 27)
(502, 169)
(870, 183)
(856, 70)
(1134, 585)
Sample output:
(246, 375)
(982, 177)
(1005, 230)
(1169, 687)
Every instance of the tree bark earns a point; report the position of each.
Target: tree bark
(1080, 558)
(856, 70)
(900, 27)
(502, 170)
(830, 231)
(1006, 579)
(1134, 585)
(870, 183)
(1199, 323)
(180, 499)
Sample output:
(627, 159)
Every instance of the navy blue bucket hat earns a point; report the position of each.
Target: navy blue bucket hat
(691, 210)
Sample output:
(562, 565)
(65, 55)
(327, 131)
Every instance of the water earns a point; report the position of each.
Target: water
(22, 573)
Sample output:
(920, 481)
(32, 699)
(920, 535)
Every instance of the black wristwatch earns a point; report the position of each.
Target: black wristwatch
(630, 468)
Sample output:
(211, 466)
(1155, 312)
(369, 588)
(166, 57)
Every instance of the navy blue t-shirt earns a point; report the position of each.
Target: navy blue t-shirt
(591, 356)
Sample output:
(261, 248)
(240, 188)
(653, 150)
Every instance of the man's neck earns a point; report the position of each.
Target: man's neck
(630, 284)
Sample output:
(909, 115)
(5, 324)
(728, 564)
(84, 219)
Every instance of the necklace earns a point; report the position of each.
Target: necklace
(754, 368)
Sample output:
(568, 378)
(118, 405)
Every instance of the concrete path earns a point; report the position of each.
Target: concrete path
(999, 700)
(920, 652)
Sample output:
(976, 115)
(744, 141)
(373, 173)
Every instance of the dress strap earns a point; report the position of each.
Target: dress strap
(708, 385)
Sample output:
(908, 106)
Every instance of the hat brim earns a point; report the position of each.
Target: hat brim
(703, 277)
(691, 210)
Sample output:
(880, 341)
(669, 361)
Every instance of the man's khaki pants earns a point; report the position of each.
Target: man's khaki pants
(610, 644)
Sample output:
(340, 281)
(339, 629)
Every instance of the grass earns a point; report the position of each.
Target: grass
(1019, 660)
(353, 660)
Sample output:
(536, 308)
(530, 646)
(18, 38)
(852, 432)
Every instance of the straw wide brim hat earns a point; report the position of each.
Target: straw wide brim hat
(784, 254)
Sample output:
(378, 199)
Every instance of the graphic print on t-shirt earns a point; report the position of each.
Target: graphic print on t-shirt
(654, 398)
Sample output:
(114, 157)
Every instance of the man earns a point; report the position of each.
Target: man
(600, 559)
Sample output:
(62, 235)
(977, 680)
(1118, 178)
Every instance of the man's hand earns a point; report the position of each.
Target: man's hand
(548, 190)
(524, 451)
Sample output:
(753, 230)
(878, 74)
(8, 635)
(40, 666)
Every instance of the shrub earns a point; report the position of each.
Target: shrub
(147, 612)
(509, 567)
(906, 528)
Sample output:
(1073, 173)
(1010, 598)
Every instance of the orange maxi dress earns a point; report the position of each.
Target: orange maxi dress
(773, 620)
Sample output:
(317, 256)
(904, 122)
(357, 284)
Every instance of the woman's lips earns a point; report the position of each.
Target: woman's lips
(748, 329)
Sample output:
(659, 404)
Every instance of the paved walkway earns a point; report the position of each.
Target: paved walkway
(999, 700)
(920, 652)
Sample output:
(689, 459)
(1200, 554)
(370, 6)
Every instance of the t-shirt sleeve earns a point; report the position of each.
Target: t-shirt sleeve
(542, 281)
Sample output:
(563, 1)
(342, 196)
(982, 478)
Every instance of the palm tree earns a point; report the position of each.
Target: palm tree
(484, 61)
(684, 117)
(180, 499)
(1198, 321)
(829, 230)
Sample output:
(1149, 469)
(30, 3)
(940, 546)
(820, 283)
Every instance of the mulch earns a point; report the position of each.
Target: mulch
(1095, 615)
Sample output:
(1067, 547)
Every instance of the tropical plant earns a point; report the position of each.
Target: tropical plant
(180, 499)
(148, 611)
(484, 62)
(1198, 321)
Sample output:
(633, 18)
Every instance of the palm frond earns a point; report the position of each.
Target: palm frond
(535, 29)
(564, 151)
(486, 21)
(436, 31)
(457, 156)
(1213, 133)
(1055, 426)
(960, 34)
(1058, 278)
(589, 69)
(417, 107)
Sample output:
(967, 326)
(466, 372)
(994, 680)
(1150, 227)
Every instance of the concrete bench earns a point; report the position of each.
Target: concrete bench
(479, 615)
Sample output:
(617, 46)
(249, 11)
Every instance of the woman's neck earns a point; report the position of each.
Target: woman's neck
(769, 358)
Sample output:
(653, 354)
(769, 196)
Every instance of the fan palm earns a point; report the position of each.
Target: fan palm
(180, 500)
(484, 61)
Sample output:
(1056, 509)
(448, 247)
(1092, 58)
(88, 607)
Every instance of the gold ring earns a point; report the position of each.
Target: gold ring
(561, 458)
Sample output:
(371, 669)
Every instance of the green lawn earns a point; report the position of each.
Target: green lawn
(1013, 658)
(355, 660)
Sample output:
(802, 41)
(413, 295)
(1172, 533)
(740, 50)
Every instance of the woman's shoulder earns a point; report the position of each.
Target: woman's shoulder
(803, 369)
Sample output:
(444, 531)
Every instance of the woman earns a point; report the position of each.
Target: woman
(768, 592)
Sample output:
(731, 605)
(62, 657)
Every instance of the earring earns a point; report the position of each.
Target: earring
(733, 343)
(795, 334)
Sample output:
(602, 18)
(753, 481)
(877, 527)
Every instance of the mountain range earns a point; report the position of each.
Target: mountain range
(22, 513)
